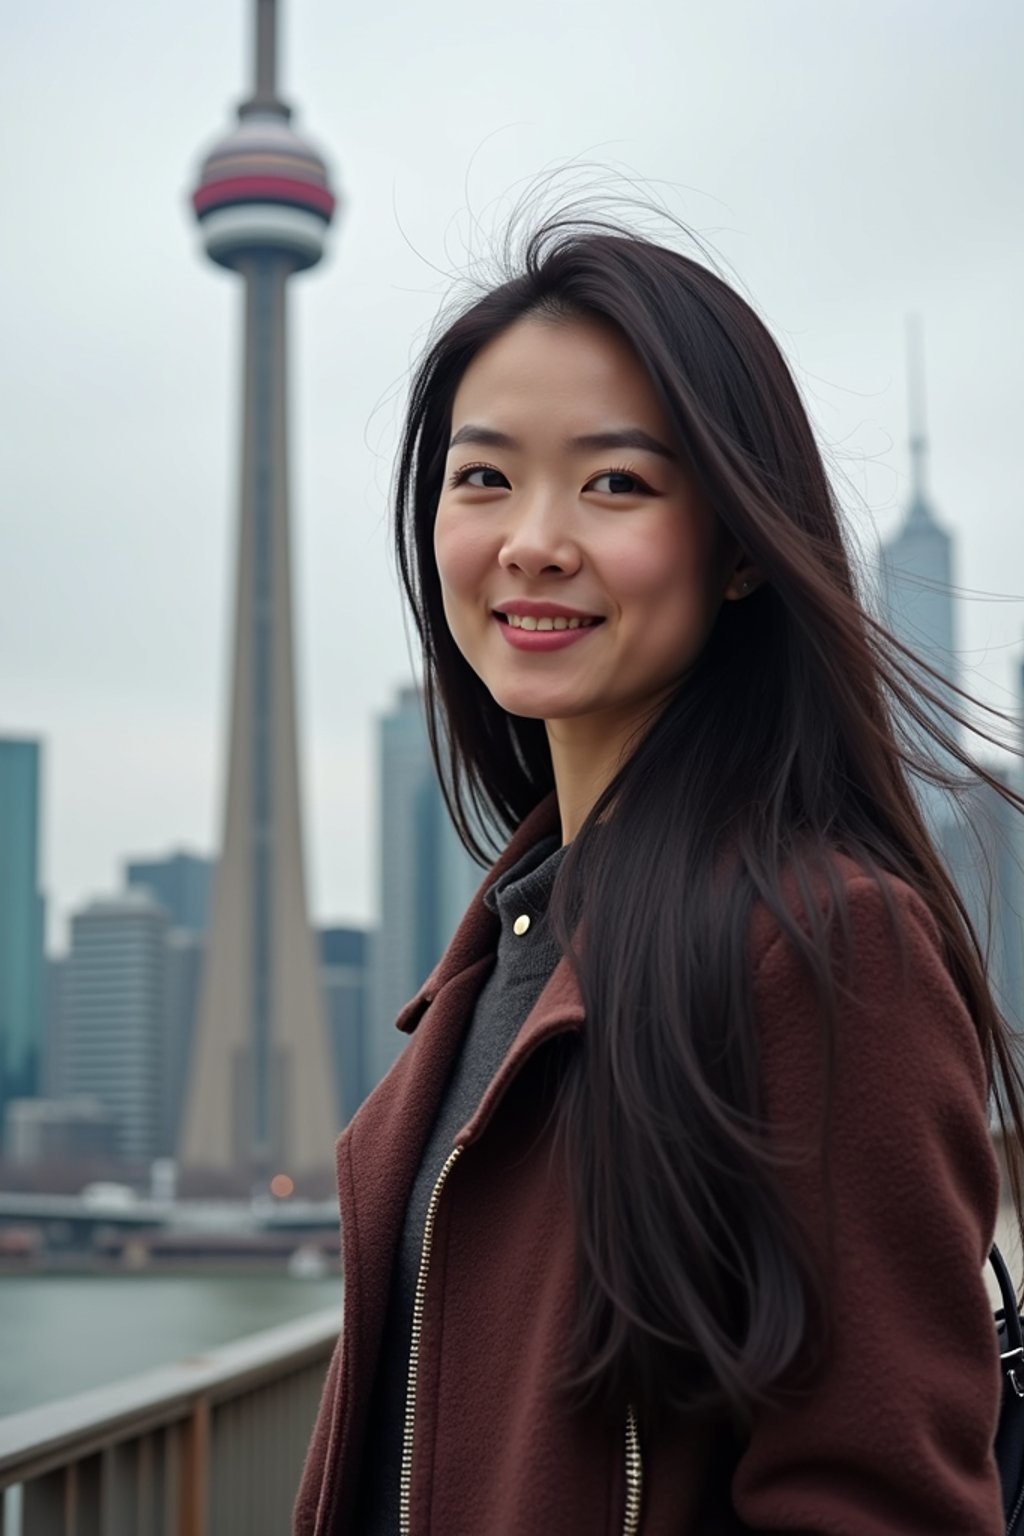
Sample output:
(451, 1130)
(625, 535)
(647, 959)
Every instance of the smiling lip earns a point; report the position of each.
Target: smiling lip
(543, 639)
(526, 607)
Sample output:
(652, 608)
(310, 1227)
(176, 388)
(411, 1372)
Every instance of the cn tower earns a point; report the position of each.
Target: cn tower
(260, 1100)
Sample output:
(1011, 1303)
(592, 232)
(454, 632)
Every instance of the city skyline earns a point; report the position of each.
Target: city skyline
(851, 166)
(424, 880)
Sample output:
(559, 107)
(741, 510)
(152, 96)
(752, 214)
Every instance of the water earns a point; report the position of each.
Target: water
(61, 1334)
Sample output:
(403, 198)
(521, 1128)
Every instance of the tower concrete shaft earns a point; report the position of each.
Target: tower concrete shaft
(260, 1096)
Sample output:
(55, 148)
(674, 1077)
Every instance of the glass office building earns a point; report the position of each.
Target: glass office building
(425, 876)
(21, 921)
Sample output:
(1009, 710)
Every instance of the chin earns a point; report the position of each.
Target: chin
(514, 702)
(535, 704)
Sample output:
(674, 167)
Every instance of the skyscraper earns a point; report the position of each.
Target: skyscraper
(184, 954)
(917, 571)
(21, 922)
(260, 1098)
(425, 876)
(53, 1054)
(115, 1011)
(180, 883)
(983, 850)
(343, 976)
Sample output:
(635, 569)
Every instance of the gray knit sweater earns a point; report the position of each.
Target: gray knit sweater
(523, 964)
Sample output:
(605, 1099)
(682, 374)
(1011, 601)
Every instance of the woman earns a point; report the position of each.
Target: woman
(671, 1217)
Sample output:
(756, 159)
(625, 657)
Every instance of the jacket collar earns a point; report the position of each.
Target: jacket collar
(477, 933)
(559, 1007)
(558, 1010)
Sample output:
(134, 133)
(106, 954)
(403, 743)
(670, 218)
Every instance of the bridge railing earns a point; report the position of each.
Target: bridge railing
(210, 1446)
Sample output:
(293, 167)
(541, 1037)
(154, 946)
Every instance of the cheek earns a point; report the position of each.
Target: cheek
(661, 568)
(663, 585)
(463, 555)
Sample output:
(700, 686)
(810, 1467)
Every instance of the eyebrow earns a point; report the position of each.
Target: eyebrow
(621, 437)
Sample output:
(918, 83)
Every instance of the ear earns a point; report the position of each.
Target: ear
(745, 579)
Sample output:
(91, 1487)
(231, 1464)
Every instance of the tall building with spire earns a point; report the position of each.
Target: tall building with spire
(260, 1098)
(977, 833)
(917, 573)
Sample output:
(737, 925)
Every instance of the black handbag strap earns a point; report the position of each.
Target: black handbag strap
(1012, 1357)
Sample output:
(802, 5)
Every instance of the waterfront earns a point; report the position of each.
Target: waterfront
(62, 1334)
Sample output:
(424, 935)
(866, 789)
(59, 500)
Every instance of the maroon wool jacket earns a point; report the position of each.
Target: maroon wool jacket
(897, 1439)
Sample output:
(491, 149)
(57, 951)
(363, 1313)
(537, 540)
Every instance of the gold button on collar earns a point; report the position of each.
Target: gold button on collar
(521, 923)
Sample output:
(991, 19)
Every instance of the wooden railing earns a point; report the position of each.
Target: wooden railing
(210, 1446)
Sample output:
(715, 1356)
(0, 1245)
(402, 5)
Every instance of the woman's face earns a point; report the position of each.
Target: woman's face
(581, 570)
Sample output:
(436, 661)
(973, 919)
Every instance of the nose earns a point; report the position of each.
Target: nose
(539, 539)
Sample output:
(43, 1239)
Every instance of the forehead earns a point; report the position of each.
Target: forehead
(580, 372)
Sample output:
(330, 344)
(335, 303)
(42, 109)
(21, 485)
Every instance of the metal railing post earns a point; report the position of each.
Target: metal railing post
(195, 1466)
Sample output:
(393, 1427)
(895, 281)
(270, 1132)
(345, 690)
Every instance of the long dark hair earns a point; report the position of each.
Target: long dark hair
(793, 736)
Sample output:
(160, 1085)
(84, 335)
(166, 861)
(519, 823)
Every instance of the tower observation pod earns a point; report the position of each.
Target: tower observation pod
(263, 193)
(260, 1098)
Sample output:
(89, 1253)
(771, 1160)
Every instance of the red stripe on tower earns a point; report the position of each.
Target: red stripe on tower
(263, 189)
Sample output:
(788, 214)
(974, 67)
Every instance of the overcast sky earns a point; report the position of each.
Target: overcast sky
(851, 162)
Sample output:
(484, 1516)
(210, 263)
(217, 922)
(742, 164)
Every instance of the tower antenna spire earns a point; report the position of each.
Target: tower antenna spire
(265, 97)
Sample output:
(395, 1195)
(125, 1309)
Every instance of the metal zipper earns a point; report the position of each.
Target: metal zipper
(1012, 1526)
(405, 1479)
(634, 1475)
(634, 1459)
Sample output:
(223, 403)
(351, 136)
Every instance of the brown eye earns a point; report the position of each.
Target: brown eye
(619, 482)
(467, 476)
